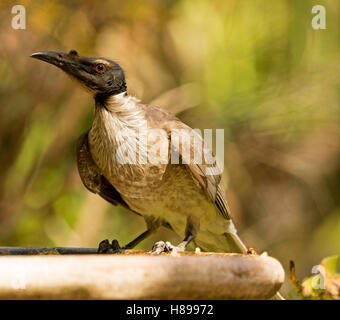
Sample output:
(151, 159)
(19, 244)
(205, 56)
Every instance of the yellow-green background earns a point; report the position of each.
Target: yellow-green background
(255, 68)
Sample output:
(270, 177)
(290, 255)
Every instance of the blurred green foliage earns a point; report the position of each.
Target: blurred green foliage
(256, 69)
(325, 285)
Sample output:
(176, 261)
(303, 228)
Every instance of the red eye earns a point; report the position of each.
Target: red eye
(100, 67)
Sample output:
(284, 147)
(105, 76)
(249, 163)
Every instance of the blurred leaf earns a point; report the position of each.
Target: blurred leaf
(330, 264)
(324, 285)
(37, 139)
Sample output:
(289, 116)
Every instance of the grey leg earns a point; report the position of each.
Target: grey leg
(139, 239)
(106, 247)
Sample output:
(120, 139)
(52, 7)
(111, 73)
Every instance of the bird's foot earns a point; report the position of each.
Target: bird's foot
(165, 247)
(106, 247)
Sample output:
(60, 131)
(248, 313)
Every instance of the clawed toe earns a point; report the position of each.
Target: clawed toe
(165, 247)
(106, 247)
(160, 247)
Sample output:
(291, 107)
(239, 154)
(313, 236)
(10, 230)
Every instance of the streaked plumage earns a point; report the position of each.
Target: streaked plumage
(164, 192)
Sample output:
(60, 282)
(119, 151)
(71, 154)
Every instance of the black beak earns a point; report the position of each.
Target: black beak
(70, 62)
(52, 57)
(62, 60)
(79, 68)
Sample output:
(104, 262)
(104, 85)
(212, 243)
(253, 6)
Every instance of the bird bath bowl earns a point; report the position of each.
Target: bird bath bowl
(138, 275)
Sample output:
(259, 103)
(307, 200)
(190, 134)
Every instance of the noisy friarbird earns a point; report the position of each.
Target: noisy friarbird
(186, 195)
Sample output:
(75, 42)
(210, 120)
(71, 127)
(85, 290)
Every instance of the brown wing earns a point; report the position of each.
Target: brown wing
(91, 177)
(208, 178)
(207, 174)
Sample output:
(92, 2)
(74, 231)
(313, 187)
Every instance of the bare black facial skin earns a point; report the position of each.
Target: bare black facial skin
(102, 76)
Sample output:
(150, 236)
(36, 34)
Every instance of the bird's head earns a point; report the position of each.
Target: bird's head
(101, 76)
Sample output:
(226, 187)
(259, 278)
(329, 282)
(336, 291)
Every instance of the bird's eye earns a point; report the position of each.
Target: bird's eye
(100, 67)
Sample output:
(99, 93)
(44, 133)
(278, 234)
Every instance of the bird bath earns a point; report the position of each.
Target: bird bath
(137, 274)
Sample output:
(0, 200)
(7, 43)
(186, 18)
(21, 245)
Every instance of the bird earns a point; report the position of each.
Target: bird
(131, 157)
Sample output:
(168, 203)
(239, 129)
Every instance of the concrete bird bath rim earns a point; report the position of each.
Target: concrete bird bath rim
(137, 274)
